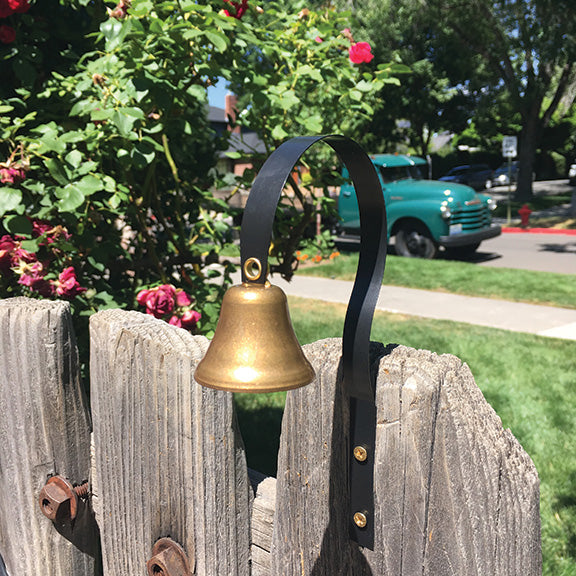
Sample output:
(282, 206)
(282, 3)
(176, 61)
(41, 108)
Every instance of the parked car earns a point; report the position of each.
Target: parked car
(505, 174)
(478, 176)
(572, 174)
(423, 214)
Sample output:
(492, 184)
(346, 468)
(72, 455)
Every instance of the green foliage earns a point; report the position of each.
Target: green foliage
(104, 133)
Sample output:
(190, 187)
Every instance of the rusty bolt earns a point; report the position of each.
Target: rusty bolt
(59, 499)
(168, 559)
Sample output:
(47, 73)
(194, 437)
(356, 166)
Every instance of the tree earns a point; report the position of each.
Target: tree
(435, 95)
(107, 158)
(530, 46)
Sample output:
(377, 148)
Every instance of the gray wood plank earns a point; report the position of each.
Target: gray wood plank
(455, 492)
(44, 430)
(168, 457)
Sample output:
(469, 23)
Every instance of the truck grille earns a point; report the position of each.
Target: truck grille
(471, 217)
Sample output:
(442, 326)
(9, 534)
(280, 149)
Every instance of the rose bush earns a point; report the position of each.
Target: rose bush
(108, 163)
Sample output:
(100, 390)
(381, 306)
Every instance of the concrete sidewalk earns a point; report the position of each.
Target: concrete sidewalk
(541, 320)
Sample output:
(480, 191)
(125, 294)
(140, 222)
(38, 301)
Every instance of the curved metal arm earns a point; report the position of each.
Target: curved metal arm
(256, 235)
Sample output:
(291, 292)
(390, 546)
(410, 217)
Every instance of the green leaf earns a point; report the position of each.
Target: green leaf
(364, 86)
(74, 158)
(30, 245)
(18, 225)
(123, 122)
(89, 184)
(218, 39)
(143, 154)
(114, 31)
(56, 171)
(230, 251)
(10, 198)
(355, 95)
(278, 133)
(313, 124)
(70, 198)
(6, 108)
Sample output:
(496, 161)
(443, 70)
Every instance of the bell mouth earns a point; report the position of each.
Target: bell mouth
(254, 348)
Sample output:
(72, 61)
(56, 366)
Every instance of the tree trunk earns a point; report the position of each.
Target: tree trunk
(529, 138)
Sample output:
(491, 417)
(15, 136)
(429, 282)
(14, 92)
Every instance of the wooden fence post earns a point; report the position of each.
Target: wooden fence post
(44, 430)
(168, 457)
(455, 492)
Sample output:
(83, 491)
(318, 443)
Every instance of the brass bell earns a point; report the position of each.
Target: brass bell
(254, 348)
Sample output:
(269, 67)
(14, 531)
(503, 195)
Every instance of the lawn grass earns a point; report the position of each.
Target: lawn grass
(529, 380)
(545, 288)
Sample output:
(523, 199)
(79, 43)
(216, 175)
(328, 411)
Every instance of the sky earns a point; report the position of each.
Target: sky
(216, 94)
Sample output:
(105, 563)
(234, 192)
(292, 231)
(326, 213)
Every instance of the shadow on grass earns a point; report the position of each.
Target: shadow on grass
(260, 428)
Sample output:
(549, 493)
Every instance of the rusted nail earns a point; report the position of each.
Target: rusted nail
(59, 499)
(168, 559)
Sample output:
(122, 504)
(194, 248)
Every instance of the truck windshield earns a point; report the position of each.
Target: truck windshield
(395, 173)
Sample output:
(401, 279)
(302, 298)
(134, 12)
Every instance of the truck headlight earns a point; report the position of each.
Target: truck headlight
(445, 212)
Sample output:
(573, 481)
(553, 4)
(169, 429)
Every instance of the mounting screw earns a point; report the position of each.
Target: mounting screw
(360, 519)
(360, 453)
(58, 499)
(168, 559)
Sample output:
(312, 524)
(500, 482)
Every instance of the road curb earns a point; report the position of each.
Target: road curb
(564, 232)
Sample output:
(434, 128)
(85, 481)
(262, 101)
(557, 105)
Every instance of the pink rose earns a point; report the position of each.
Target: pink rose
(182, 299)
(240, 8)
(175, 321)
(67, 284)
(21, 257)
(189, 319)
(360, 52)
(7, 246)
(52, 233)
(10, 175)
(159, 301)
(32, 275)
(7, 36)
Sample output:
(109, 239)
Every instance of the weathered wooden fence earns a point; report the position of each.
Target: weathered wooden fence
(455, 493)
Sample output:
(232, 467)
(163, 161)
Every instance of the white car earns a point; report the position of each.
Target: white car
(572, 174)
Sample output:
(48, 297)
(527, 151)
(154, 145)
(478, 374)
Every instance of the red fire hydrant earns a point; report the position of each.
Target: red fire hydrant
(524, 215)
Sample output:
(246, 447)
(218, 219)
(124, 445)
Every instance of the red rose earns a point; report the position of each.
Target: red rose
(7, 36)
(240, 8)
(19, 6)
(360, 52)
(5, 9)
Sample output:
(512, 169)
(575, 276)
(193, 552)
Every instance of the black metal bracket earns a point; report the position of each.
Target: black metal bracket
(255, 238)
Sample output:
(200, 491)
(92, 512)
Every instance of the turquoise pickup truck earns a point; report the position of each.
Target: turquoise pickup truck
(423, 214)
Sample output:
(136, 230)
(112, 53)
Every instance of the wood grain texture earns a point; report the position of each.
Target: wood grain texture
(455, 492)
(168, 457)
(262, 521)
(44, 430)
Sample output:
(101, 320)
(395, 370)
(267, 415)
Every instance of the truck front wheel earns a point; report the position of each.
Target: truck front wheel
(414, 241)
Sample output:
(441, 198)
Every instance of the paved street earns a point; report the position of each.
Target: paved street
(525, 251)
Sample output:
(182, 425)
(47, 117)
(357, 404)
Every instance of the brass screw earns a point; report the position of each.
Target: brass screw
(360, 453)
(360, 519)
